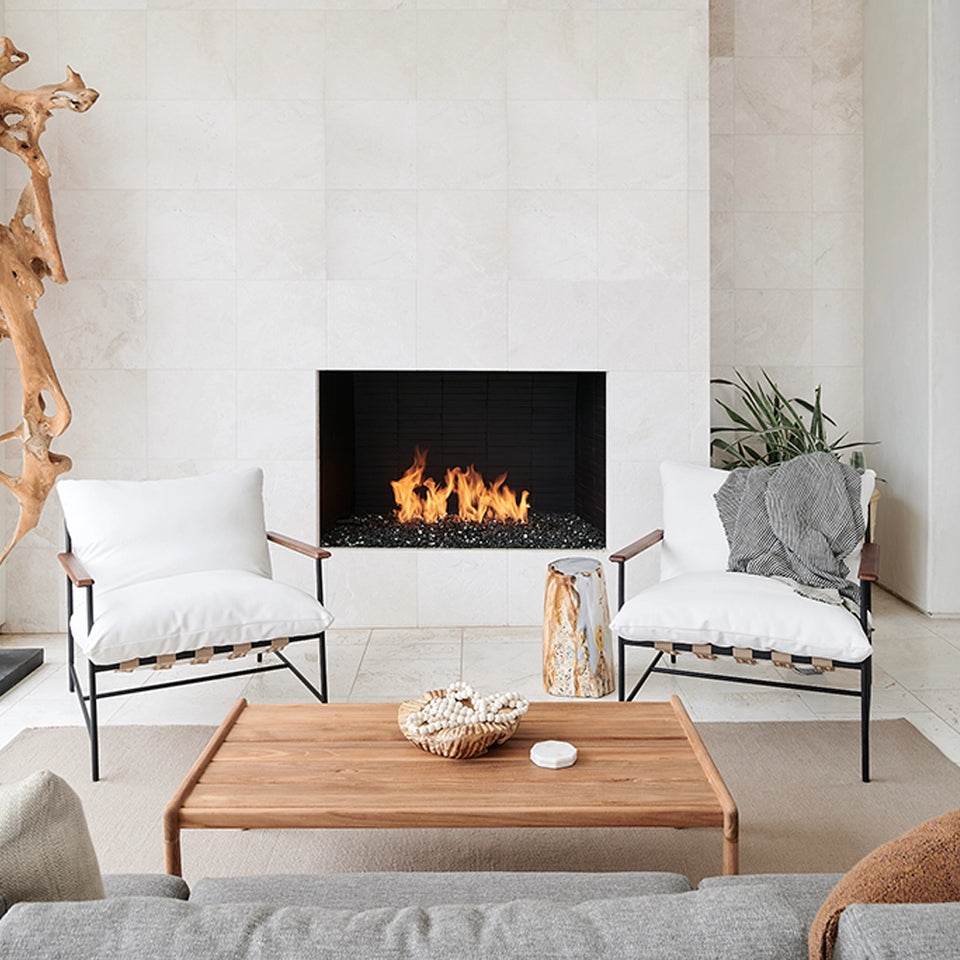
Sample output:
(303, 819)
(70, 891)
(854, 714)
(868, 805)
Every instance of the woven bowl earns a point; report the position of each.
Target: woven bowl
(458, 743)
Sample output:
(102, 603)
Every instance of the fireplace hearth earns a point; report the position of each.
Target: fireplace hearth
(500, 444)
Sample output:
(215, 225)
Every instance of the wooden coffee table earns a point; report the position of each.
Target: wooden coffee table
(347, 765)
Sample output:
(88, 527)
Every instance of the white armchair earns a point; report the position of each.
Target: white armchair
(182, 573)
(702, 608)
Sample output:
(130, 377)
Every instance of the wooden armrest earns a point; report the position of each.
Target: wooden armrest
(869, 562)
(75, 571)
(318, 553)
(638, 546)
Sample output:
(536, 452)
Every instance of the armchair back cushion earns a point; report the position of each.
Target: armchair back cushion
(693, 537)
(126, 532)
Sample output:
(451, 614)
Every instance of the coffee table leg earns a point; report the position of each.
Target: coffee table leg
(171, 847)
(731, 846)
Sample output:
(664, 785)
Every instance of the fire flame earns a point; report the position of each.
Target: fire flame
(423, 499)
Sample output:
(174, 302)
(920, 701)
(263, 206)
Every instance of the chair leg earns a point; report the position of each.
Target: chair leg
(94, 729)
(866, 674)
(621, 670)
(322, 644)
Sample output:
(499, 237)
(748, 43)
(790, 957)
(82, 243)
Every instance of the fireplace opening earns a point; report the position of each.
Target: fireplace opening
(462, 459)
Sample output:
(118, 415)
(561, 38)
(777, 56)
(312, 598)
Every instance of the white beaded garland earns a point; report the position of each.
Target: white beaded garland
(462, 705)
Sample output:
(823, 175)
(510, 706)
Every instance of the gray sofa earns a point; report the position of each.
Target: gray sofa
(500, 916)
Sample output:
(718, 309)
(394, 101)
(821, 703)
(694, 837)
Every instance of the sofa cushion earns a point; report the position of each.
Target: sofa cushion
(898, 931)
(45, 848)
(145, 885)
(205, 609)
(918, 867)
(741, 610)
(364, 891)
(757, 923)
(130, 531)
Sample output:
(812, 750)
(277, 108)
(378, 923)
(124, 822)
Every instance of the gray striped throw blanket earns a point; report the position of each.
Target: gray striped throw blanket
(795, 521)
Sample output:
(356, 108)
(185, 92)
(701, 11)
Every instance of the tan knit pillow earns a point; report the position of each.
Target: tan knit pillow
(45, 848)
(918, 867)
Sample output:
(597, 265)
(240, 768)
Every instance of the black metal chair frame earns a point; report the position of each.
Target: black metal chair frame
(867, 576)
(78, 577)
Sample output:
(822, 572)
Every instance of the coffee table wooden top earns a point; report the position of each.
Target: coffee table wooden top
(347, 765)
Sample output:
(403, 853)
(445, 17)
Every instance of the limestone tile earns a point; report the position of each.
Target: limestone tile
(103, 234)
(552, 144)
(643, 54)
(462, 4)
(552, 55)
(281, 326)
(191, 145)
(290, 503)
(772, 172)
(700, 327)
(889, 699)
(553, 325)
(647, 416)
(461, 54)
(461, 587)
(191, 413)
(722, 250)
(942, 703)
(709, 702)
(399, 671)
(698, 54)
(773, 250)
(35, 596)
(371, 234)
(772, 28)
(837, 173)
(462, 324)
(552, 234)
(280, 234)
(721, 28)
(527, 574)
(108, 43)
(722, 94)
(299, 126)
(837, 248)
(181, 705)
(643, 145)
(773, 327)
(843, 400)
(190, 51)
(372, 588)
(498, 666)
(698, 145)
(276, 415)
(371, 54)
(462, 144)
(633, 509)
(772, 95)
(643, 233)
(372, 324)
(293, 38)
(95, 324)
(191, 325)
(28, 24)
(698, 244)
(191, 234)
(643, 324)
(371, 144)
(837, 96)
(722, 329)
(109, 413)
(722, 173)
(837, 327)
(461, 234)
(104, 149)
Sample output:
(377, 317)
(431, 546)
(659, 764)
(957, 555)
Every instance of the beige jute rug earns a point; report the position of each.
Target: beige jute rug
(802, 808)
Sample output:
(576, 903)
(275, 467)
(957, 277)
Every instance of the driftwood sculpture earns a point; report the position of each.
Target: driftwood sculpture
(28, 253)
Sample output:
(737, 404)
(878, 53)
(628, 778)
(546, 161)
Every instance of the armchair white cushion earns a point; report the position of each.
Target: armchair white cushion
(179, 565)
(698, 601)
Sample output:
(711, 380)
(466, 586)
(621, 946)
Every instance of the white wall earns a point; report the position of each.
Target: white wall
(262, 192)
(911, 352)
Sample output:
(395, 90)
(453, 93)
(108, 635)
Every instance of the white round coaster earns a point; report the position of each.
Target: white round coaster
(553, 754)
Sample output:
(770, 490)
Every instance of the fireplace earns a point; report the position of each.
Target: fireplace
(536, 439)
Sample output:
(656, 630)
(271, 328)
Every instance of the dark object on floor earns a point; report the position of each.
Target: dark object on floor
(17, 664)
